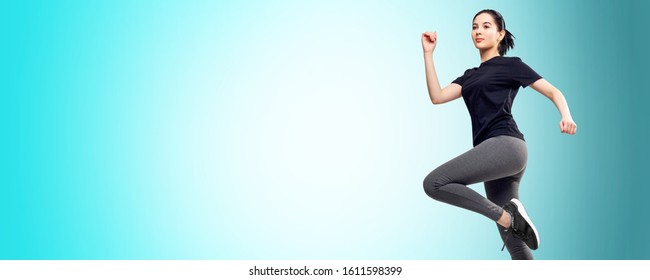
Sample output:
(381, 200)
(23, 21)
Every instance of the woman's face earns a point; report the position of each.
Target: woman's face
(485, 34)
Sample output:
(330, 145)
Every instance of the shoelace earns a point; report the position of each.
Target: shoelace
(505, 240)
(510, 232)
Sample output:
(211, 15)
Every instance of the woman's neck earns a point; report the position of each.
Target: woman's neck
(487, 54)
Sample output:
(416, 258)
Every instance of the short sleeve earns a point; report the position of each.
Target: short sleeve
(523, 74)
(460, 80)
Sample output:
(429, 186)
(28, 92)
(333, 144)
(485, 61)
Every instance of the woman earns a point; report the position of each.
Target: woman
(499, 155)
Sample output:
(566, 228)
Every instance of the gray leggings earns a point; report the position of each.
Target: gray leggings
(500, 163)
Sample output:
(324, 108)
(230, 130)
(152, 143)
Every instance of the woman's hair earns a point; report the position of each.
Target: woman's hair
(508, 41)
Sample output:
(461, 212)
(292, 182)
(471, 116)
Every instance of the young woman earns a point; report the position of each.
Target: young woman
(499, 155)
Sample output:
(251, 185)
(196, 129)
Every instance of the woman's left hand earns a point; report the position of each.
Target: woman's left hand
(568, 126)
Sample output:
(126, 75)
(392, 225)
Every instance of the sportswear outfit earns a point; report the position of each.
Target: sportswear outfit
(499, 155)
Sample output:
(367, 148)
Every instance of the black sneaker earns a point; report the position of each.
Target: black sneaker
(521, 226)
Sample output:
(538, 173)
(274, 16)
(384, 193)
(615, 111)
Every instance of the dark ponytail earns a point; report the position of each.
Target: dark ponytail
(508, 41)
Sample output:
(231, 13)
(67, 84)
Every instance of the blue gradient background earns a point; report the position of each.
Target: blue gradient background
(290, 130)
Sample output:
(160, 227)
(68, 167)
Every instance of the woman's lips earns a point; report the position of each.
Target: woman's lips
(478, 40)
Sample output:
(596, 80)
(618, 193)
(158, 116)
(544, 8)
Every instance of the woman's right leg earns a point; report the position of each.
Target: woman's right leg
(500, 191)
(494, 158)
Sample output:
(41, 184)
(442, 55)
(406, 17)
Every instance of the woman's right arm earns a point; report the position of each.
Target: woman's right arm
(436, 94)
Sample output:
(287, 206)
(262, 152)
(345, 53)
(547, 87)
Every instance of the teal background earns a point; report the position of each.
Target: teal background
(303, 130)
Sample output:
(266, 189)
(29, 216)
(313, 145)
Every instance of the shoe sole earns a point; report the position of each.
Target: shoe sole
(522, 210)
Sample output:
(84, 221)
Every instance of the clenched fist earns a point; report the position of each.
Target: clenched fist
(429, 40)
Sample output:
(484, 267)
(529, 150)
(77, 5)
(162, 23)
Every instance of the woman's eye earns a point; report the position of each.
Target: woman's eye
(473, 27)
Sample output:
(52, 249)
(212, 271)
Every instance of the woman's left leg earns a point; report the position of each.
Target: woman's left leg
(494, 158)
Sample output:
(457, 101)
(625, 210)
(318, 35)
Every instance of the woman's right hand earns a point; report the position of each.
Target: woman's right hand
(429, 40)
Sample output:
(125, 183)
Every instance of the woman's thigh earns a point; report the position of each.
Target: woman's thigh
(494, 158)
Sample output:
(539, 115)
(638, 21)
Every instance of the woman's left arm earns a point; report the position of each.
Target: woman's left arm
(566, 124)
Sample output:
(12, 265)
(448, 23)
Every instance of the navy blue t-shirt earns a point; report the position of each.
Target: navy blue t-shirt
(489, 90)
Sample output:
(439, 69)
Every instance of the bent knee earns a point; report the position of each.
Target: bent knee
(432, 184)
